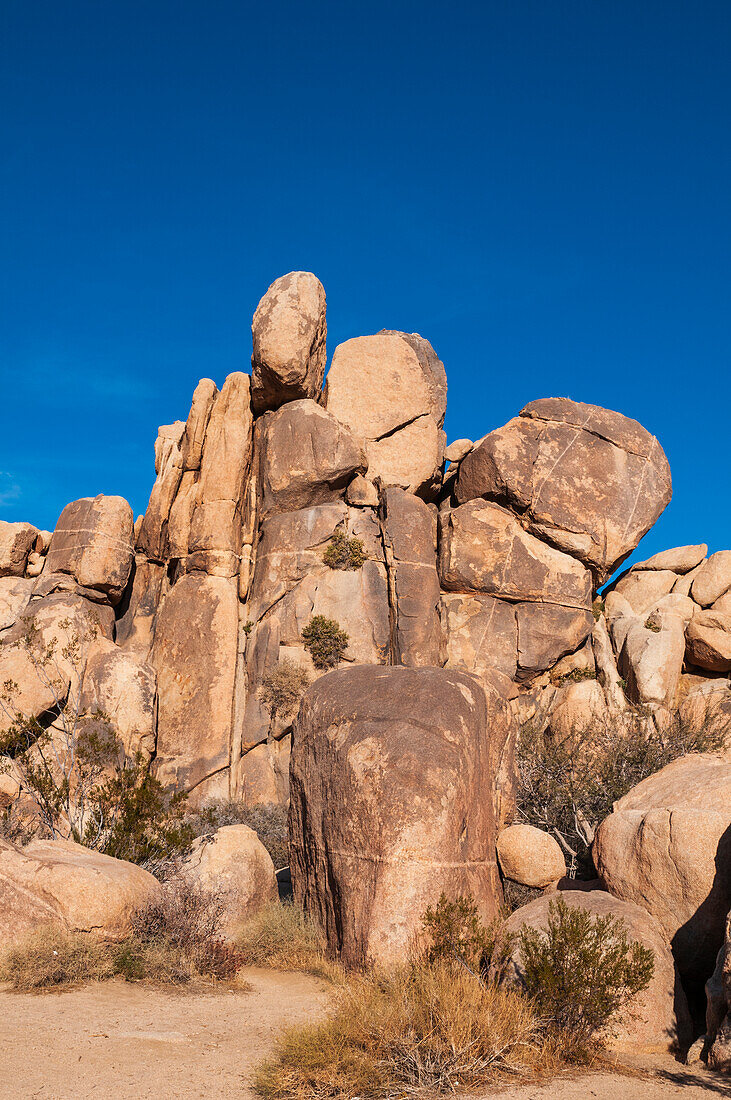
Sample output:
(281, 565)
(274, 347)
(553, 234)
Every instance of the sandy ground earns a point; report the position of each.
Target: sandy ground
(132, 1041)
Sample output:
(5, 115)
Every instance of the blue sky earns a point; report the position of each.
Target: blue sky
(541, 189)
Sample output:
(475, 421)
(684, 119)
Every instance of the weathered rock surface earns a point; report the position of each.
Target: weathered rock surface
(58, 881)
(409, 536)
(233, 864)
(713, 579)
(15, 593)
(305, 457)
(17, 540)
(590, 481)
(194, 655)
(411, 753)
(124, 688)
(667, 847)
(718, 1011)
(681, 559)
(93, 542)
(709, 640)
(530, 856)
(289, 331)
(481, 633)
(658, 1018)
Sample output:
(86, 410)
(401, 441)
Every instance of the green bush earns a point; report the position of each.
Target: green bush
(282, 689)
(344, 552)
(581, 971)
(456, 932)
(325, 641)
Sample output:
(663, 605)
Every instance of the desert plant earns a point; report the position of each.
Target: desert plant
(597, 608)
(50, 956)
(651, 624)
(581, 971)
(269, 822)
(421, 1029)
(456, 931)
(325, 641)
(283, 937)
(575, 676)
(567, 787)
(344, 552)
(282, 688)
(76, 773)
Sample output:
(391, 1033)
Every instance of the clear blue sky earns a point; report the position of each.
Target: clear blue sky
(543, 189)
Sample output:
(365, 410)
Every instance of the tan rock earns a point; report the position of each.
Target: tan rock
(362, 493)
(667, 847)
(15, 592)
(305, 457)
(458, 450)
(713, 579)
(411, 753)
(708, 639)
(409, 536)
(481, 634)
(377, 384)
(409, 458)
(681, 559)
(589, 480)
(256, 776)
(289, 331)
(606, 667)
(546, 632)
(194, 654)
(233, 864)
(17, 540)
(723, 604)
(215, 525)
(483, 548)
(658, 1018)
(135, 623)
(651, 660)
(718, 1012)
(529, 856)
(58, 881)
(93, 543)
(152, 536)
(642, 590)
(123, 687)
(578, 710)
(191, 445)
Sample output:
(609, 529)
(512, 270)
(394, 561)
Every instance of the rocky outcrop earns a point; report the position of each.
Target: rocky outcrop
(17, 542)
(60, 882)
(93, 544)
(667, 847)
(411, 753)
(289, 332)
(590, 481)
(234, 866)
(658, 1018)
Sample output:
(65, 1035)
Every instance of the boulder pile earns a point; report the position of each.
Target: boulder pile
(431, 596)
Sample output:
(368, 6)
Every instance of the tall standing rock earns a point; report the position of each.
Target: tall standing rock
(590, 481)
(389, 773)
(194, 654)
(289, 331)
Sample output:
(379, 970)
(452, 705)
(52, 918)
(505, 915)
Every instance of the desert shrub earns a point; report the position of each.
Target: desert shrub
(282, 689)
(344, 552)
(50, 957)
(325, 641)
(581, 971)
(597, 608)
(575, 676)
(650, 624)
(269, 822)
(422, 1029)
(567, 787)
(455, 931)
(517, 895)
(184, 924)
(283, 937)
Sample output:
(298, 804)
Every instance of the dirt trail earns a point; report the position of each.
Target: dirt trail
(131, 1042)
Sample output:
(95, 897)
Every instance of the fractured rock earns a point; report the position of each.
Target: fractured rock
(93, 542)
(17, 540)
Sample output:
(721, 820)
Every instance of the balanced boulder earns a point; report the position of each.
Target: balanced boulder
(289, 331)
(529, 856)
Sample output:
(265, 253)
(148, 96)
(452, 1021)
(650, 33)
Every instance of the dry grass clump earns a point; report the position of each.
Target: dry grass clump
(283, 937)
(424, 1028)
(50, 958)
(175, 939)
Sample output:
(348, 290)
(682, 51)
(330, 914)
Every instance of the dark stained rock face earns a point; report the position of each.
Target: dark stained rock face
(412, 755)
(590, 481)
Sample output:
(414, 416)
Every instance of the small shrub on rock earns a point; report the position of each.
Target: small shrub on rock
(457, 932)
(282, 689)
(325, 641)
(581, 971)
(344, 552)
